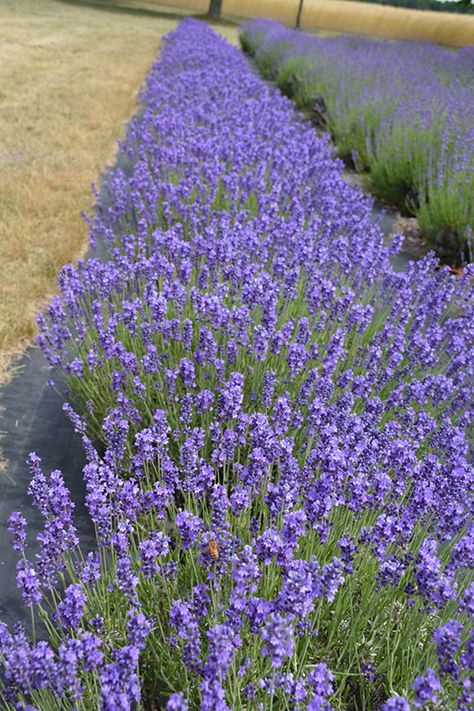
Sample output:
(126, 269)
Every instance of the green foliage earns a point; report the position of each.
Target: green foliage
(412, 162)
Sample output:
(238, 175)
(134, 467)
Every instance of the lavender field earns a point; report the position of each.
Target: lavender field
(402, 111)
(278, 429)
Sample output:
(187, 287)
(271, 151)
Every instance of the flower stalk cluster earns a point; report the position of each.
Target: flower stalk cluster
(276, 428)
(401, 112)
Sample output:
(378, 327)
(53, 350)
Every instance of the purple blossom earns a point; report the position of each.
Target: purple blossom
(181, 617)
(17, 527)
(231, 397)
(432, 583)
(396, 703)
(448, 641)
(298, 590)
(177, 702)
(119, 684)
(189, 528)
(239, 500)
(91, 652)
(295, 689)
(321, 679)
(268, 387)
(90, 572)
(139, 628)
(213, 696)
(152, 548)
(223, 643)
(294, 526)
(28, 583)
(332, 578)
(277, 634)
(427, 687)
(318, 703)
(71, 607)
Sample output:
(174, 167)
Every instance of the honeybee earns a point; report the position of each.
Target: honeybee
(214, 550)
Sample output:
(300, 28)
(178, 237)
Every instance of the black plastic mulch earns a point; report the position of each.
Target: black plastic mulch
(32, 420)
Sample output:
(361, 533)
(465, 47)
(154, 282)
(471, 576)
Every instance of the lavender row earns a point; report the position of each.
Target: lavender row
(276, 426)
(401, 110)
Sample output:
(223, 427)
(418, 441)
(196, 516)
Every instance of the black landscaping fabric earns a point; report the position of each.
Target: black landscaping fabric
(32, 420)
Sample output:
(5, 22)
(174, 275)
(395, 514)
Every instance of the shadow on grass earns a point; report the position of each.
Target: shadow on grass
(159, 11)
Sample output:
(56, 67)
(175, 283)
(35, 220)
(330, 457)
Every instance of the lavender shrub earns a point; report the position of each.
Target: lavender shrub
(276, 427)
(401, 110)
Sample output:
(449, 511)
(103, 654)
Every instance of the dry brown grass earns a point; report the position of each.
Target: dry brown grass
(197, 5)
(363, 18)
(284, 10)
(68, 83)
(392, 22)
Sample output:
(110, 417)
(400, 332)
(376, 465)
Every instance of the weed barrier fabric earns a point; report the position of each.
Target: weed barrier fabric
(281, 420)
(32, 420)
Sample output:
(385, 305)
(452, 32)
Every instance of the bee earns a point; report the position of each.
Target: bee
(214, 550)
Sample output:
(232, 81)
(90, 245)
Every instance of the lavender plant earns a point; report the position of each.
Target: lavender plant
(276, 427)
(400, 110)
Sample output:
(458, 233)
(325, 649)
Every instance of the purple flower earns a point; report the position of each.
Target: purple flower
(177, 702)
(427, 687)
(396, 703)
(295, 689)
(70, 656)
(245, 571)
(201, 600)
(90, 572)
(28, 583)
(268, 387)
(298, 590)
(448, 641)
(467, 602)
(318, 703)
(232, 254)
(231, 397)
(348, 550)
(321, 679)
(269, 545)
(239, 500)
(126, 579)
(432, 583)
(332, 577)
(466, 698)
(91, 652)
(277, 633)
(152, 548)
(71, 607)
(189, 527)
(139, 628)
(119, 683)
(294, 526)
(151, 442)
(17, 527)
(213, 696)
(223, 643)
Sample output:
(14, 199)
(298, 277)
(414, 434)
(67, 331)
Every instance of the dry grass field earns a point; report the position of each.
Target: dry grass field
(69, 77)
(194, 5)
(362, 18)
